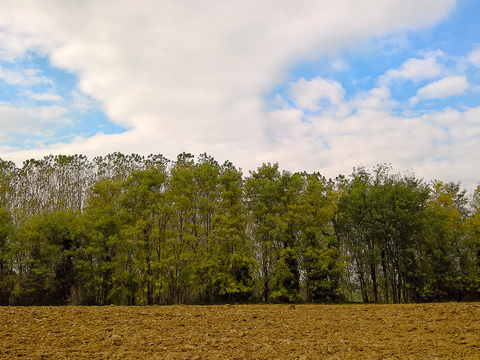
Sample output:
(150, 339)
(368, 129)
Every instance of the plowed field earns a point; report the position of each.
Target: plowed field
(426, 331)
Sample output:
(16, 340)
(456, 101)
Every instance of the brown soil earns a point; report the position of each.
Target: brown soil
(426, 331)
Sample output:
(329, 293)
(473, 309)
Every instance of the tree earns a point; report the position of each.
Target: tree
(43, 256)
(131, 230)
(273, 203)
(97, 258)
(181, 241)
(446, 259)
(143, 223)
(230, 245)
(8, 177)
(380, 222)
(6, 263)
(322, 260)
(473, 245)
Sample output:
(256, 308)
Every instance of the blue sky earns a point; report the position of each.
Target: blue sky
(358, 69)
(316, 85)
(32, 82)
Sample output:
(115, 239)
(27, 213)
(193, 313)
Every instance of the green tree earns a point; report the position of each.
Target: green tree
(43, 255)
(8, 177)
(181, 241)
(97, 257)
(446, 262)
(286, 281)
(230, 246)
(273, 203)
(262, 201)
(322, 260)
(6, 263)
(473, 245)
(380, 222)
(142, 232)
(207, 255)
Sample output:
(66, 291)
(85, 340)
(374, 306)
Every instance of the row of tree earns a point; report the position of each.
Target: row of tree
(134, 230)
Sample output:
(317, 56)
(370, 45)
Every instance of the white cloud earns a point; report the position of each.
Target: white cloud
(309, 94)
(339, 64)
(37, 121)
(434, 145)
(13, 46)
(448, 86)
(48, 97)
(369, 135)
(376, 98)
(193, 76)
(81, 102)
(24, 77)
(415, 70)
(474, 57)
(392, 44)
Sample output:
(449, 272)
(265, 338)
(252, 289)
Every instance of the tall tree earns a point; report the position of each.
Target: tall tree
(181, 239)
(473, 245)
(446, 263)
(273, 203)
(43, 257)
(143, 232)
(380, 222)
(8, 178)
(322, 260)
(230, 245)
(6, 263)
(98, 257)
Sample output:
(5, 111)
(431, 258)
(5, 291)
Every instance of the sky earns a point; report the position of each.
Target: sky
(315, 85)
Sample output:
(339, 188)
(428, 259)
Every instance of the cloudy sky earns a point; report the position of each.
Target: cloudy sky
(316, 85)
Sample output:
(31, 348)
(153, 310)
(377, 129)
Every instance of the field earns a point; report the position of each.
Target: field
(414, 331)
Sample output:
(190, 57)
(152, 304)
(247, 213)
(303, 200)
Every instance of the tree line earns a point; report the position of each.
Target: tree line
(134, 230)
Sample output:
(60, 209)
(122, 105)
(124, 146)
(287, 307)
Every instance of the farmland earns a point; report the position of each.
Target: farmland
(411, 331)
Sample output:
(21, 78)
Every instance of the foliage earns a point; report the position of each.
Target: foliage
(125, 229)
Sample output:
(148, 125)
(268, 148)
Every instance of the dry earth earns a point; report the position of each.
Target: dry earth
(414, 331)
